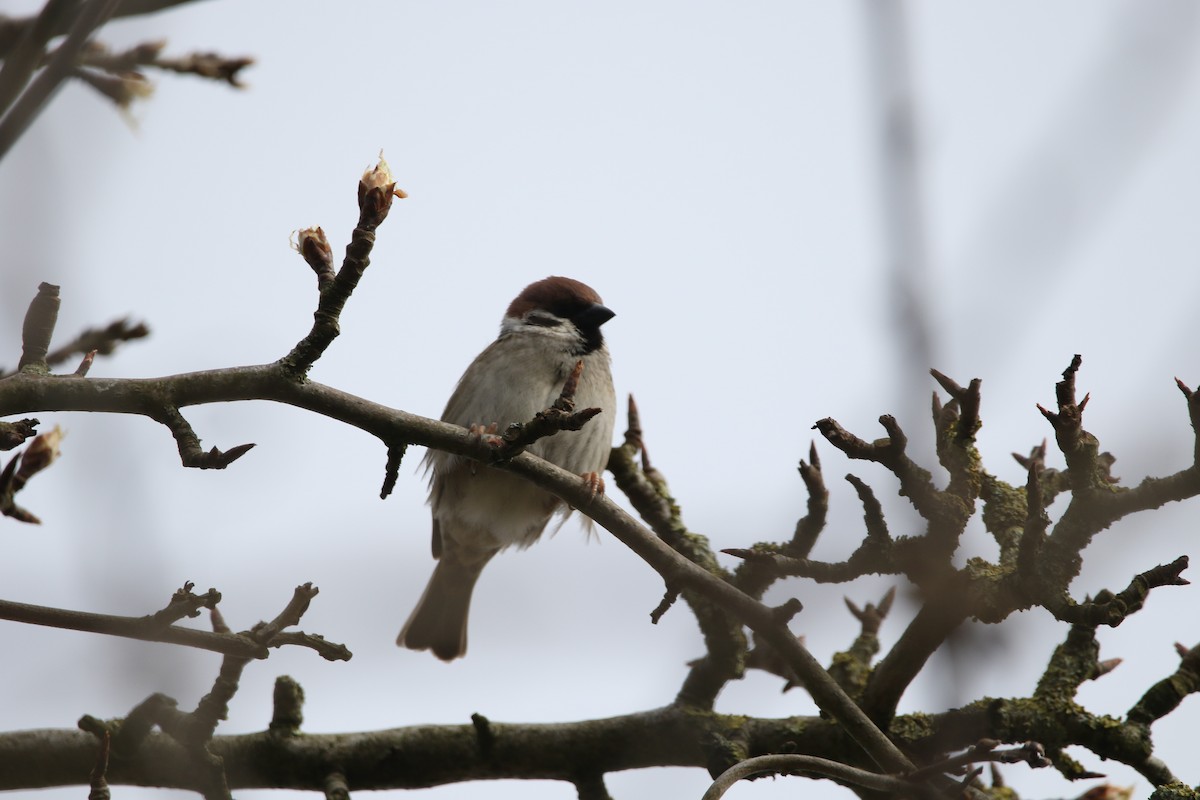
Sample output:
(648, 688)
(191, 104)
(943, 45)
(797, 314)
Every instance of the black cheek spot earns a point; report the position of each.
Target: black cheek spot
(544, 320)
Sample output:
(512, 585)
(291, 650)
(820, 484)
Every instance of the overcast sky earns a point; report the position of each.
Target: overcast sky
(714, 171)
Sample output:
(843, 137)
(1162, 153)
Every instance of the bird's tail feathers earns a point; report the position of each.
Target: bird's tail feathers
(439, 622)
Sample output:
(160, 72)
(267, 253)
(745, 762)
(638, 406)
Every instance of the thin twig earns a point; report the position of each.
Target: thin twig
(143, 628)
(788, 764)
(376, 190)
(156, 628)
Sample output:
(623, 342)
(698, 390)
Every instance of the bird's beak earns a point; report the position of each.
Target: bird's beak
(594, 316)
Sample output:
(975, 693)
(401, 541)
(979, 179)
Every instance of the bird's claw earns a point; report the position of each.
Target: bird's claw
(487, 434)
(594, 482)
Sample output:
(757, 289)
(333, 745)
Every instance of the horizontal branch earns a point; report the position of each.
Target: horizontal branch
(412, 757)
(147, 396)
(22, 392)
(424, 756)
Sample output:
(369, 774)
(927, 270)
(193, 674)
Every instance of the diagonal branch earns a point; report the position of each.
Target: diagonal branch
(1165, 696)
(24, 110)
(724, 640)
(270, 382)
(24, 44)
(678, 571)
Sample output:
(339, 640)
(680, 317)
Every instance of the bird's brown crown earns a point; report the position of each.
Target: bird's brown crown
(563, 297)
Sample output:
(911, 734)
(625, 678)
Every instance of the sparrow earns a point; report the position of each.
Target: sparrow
(477, 510)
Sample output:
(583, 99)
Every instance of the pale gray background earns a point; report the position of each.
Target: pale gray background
(713, 170)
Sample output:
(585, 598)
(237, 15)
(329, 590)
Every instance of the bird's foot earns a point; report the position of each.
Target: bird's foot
(594, 483)
(486, 434)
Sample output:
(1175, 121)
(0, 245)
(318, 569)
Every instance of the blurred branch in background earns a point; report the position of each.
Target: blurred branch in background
(902, 198)
(906, 255)
(34, 71)
(1064, 186)
(1078, 167)
(22, 94)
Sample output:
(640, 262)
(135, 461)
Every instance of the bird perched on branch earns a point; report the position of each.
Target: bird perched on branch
(552, 326)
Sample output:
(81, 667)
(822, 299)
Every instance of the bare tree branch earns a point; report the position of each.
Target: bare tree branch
(157, 628)
(807, 766)
(21, 113)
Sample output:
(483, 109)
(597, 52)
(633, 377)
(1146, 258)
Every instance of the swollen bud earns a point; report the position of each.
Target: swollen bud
(40, 454)
(375, 192)
(314, 247)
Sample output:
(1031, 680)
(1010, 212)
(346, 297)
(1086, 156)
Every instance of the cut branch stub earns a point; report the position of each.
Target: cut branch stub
(955, 429)
(916, 483)
(14, 434)
(1037, 521)
(1088, 469)
(85, 365)
(1065, 389)
(287, 706)
(191, 454)
(38, 329)
(850, 444)
(877, 528)
(872, 615)
(391, 470)
(218, 459)
(185, 603)
(1193, 403)
(633, 430)
(809, 527)
(967, 399)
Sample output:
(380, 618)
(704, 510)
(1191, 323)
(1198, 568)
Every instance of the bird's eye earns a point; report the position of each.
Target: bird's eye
(543, 319)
